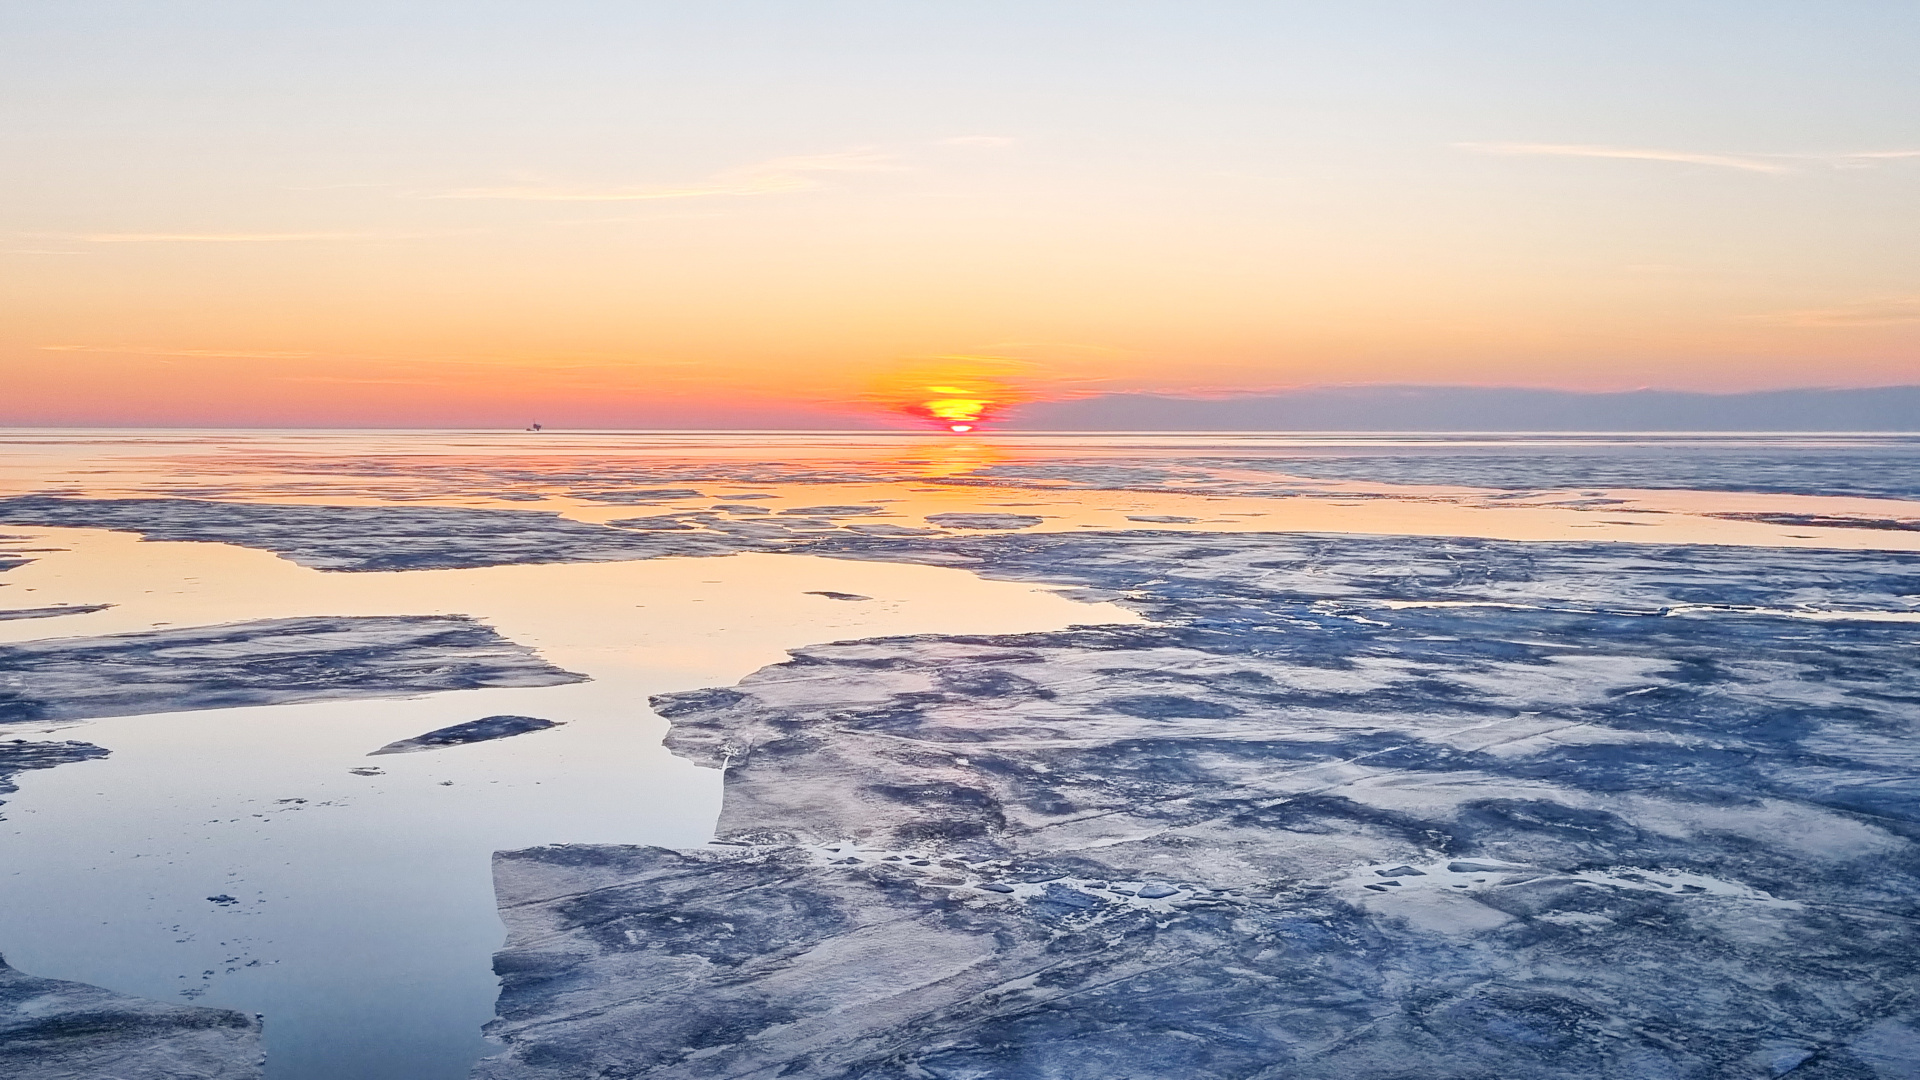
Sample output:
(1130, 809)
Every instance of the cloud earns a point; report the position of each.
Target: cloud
(987, 141)
(143, 350)
(763, 178)
(1762, 163)
(1894, 311)
(231, 238)
(1748, 163)
(348, 380)
(1865, 159)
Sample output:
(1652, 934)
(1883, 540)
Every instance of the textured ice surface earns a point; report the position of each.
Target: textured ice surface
(1889, 472)
(54, 1030)
(358, 537)
(1354, 808)
(485, 729)
(264, 662)
(1248, 580)
(994, 522)
(1890, 469)
(372, 538)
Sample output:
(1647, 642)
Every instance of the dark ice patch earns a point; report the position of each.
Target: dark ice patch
(1825, 521)
(1171, 707)
(985, 522)
(485, 729)
(20, 755)
(638, 496)
(831, 511)
(50, 612)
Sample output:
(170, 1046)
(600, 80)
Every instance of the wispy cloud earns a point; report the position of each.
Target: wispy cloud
(763, 178)
(231, 238)
(1864, 159)
(147, 350)
(1760, 163)
(402, 369)
(1749, 163)
(1891, 311)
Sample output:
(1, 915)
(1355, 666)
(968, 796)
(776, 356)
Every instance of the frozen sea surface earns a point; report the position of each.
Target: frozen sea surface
(1346, 807)
(1561, 770)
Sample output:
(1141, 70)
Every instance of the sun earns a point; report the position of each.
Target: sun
(959, 408)
(955, 395)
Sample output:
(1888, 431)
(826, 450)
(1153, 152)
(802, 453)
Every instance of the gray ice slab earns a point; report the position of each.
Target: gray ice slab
(55, 1030)
(263, 662)
(362, 537)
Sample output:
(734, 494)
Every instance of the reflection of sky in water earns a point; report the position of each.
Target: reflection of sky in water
(364, 918)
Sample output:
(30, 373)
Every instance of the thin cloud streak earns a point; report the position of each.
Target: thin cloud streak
(442, 365)
(233, 238)
(1628, 153)
(1865, 159)
(1762, 163)
(141, 350)
(764, 178)
(1897, 311)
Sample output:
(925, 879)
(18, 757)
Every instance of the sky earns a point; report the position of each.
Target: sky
(774, 213)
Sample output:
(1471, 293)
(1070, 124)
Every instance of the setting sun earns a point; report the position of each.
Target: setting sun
(953, 394)
(960, 410)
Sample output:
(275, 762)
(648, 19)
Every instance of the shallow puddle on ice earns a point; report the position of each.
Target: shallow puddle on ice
(361, 919)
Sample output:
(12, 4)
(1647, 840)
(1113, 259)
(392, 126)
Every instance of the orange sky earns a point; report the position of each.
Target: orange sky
(597, 217)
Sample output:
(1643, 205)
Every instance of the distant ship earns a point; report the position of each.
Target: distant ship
(533, 426)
